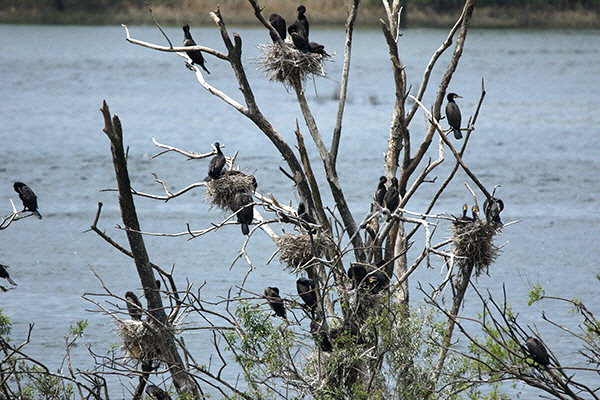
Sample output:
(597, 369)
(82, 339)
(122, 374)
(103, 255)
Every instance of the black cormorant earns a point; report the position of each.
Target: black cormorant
(475, 212)
(299, 42)
(380, 192)
(28, 198)
(4, 274)
(453, 114)
(305, 215)
(537, 351)
(307, 291)
(377, 281)
(319, 333)
(302, 19)
(216, 164)
(314, 47)
(278, 23)
(392, 197)
(243, 203)
(134, 307)
(492, 209)
(464, 219)
(357, 274)
(157, 393)
(195, 55)
(275, 302)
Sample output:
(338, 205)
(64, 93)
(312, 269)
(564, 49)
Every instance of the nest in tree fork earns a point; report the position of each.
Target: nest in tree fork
(297, 250)
(288, 64)
(221, 192)
(473, 243)
(139, 342)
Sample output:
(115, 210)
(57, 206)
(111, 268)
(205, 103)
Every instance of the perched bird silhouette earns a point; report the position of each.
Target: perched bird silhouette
(377, 281)
(307, 290)
(4, 274)
(357, 274)
(300, 25)
(216, 164)
(314, 47)
(275, 301)
(453, 114)
(302, 19)
(392, 197)
(242, 201)
(319, 333)
(157, 393)
(278, 23)
(300, 41)
(492, 209)
(537, 351)
(134, 307)
(380, 192)
(194, 55)
(28, 198)
(306, 217)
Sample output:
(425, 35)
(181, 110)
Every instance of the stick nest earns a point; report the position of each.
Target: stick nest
(221, 192)
(288, 64)
(297, 250)
(139, 342)
(473, 243)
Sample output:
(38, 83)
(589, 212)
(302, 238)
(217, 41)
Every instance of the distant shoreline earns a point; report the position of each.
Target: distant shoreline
(238, 12)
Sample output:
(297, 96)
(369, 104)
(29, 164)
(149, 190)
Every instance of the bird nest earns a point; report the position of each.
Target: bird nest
(289, 65)
(139, 342)
(221, 192)
(297, 250)
(473, 244)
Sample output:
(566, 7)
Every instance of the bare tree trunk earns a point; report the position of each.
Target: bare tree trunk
(181, 379)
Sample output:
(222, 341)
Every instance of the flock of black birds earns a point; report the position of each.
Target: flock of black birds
(298, 32)
(298, 36)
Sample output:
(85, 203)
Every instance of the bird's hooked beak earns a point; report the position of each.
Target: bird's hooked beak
(458, 96)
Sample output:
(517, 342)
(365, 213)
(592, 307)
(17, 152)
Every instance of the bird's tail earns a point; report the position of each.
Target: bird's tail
(11, 281)
(245, 229)
(457, 134)
(204, 68)
(37, 214)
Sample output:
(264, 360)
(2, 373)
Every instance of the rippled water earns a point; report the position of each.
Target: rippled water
(536, 136)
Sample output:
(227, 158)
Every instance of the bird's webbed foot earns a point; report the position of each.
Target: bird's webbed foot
(189, 66)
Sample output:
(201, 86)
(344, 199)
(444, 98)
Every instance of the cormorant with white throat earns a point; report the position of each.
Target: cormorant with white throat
(453, 114)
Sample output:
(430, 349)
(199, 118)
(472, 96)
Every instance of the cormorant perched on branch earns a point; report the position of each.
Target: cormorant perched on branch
(216, 164)
(319, 332)
(195, 55)
(392, 197)
(537, 351)
(278, 23)
(134, 307)
(275, 301)
(243, 203)
(305, 215)
(380, 192)
(28, 198)
(492, 209)
(4, 274)
(453, 114)
(157, 393)
(307, 291)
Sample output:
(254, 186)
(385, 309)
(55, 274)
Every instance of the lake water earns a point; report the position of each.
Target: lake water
(536, 136)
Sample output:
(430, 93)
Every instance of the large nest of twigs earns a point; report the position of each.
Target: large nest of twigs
(139, 342)
(297, 250)
(473, 243)
(221, 192)
(288, 64)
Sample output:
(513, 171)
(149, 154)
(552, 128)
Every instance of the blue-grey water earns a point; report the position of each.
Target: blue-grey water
(536, 136)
